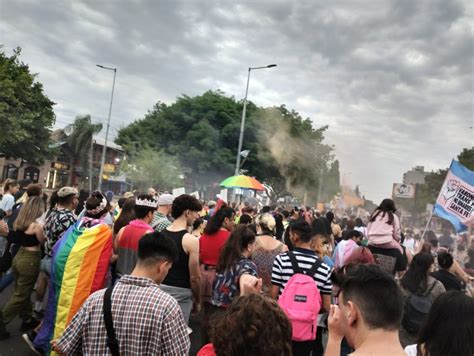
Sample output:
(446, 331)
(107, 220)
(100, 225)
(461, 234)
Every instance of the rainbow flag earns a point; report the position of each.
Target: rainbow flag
(80, 266)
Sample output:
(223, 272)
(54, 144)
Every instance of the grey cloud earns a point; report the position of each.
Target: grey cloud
(393, 79)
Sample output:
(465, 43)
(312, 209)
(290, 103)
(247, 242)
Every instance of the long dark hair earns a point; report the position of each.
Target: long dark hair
(215, 223)
(415, 279)
(430, 235)
(83, 195)
(53, 200)
(329, 219)
(279, 228)
(387, 206)
(448, 329)
(126, 215)
(232, 250)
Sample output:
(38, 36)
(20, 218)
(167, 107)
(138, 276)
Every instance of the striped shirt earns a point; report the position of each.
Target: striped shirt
(283, 270)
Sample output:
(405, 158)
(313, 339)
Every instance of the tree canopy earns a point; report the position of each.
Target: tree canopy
(149, 168)
(80, 141)
(26, 113)
(202, 132)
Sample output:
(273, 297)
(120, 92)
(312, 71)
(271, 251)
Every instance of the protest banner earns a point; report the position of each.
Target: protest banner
(455, 201)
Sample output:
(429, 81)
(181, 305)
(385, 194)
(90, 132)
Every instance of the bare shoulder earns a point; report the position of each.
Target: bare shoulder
(190, 243)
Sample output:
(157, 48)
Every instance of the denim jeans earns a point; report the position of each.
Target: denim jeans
(6, 279)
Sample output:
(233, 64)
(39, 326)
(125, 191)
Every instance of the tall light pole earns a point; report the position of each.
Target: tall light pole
(104, 150)
(244, 113)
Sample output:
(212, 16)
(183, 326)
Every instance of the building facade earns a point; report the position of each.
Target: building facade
(67, 170)
(415, 176)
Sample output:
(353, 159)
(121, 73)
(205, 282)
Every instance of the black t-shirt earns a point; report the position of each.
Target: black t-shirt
(389, 260)
(449, 280)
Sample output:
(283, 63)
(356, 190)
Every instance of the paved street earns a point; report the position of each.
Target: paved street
(17, 347)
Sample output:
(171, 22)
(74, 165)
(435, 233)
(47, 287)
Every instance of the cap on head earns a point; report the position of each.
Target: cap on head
(165, 199)
(66, 191)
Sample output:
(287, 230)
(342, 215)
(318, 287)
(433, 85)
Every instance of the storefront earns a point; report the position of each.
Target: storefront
(58, 175)
(10, 171)
(31, 173)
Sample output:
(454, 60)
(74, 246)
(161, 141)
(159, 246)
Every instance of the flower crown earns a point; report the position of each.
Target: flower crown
(101, 207)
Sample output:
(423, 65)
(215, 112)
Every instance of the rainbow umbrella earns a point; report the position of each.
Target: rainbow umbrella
(242, 182)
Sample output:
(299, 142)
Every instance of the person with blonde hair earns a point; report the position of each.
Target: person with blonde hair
(267, 247)
(26, 265)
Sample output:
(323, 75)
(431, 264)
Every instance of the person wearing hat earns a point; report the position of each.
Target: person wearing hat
(60, 219)
(160, 219)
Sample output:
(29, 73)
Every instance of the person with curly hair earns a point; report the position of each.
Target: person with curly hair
(252, 325)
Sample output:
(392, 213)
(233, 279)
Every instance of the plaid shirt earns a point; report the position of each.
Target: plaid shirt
(160, 222)
(147, 321)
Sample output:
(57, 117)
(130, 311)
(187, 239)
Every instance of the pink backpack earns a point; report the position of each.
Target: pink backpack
(301, 301)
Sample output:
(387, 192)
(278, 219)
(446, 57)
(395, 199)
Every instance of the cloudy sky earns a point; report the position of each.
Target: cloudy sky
(392, 79)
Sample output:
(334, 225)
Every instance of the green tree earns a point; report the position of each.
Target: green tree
(80, 141)
(278, 190)
(466, 158)
(202, 132)
(26, 113)
(147, 168)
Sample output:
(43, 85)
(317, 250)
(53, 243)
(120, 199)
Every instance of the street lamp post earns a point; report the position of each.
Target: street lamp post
(244, 113)
(104, 150)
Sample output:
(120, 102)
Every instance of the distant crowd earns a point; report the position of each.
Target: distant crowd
(95, 275)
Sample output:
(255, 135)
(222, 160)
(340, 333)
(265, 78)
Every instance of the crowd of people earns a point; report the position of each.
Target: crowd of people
(96, 276)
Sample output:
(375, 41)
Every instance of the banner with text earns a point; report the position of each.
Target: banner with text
(401, 190)
(456, 199)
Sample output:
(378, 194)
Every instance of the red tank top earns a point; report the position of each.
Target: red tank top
(128, 245)
(132, 234)
(211, 245)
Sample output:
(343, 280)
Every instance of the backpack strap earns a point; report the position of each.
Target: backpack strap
(294, 262)
(297, 269)
(431, 288)
(112, 341)
(314, 267)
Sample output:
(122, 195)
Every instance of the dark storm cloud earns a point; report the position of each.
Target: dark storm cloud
(392, 79)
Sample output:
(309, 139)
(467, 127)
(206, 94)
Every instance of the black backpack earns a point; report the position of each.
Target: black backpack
(416, 309)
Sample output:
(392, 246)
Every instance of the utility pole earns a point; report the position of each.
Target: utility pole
(104, 150)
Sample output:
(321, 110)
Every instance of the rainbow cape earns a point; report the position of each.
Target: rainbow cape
(80, 266)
